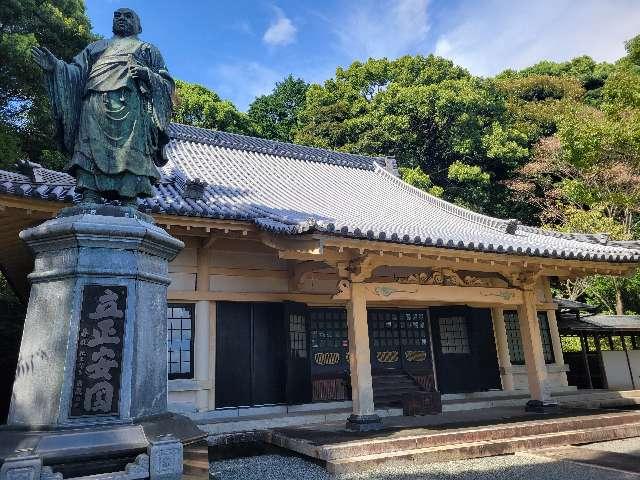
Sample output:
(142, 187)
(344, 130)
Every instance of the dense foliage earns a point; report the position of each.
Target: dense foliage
(62, 26)
(556, 144)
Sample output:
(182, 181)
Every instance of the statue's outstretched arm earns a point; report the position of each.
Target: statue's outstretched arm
(44, 58)
(65, 86)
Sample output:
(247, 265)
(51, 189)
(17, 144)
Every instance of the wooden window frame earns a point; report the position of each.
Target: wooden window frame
(182, 375)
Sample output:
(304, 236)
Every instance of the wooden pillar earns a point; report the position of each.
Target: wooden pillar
(532, 345)
(201, 334)
(212, 353)
(363, 417)
(585, 358)
(502, 347)
(555, 337)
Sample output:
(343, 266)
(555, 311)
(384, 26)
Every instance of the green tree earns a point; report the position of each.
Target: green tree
(200, 107)
(416, 177)
(424, 111)
(275, 115)
(62, 26)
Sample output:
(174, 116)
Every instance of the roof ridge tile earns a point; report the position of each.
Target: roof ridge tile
(238, 141)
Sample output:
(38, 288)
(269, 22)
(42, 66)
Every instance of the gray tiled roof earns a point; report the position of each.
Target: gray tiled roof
(601, 323)
(567, 304)
(292, 189)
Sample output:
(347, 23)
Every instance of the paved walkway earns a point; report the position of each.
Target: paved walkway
(618, 455)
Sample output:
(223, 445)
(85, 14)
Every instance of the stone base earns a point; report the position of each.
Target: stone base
(538, 406)
(77, 452)
(364, 423)
(96, 320)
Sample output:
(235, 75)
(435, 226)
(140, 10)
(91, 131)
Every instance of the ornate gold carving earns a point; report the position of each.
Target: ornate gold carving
(387, 357)
(415, 356)
(326, 358)
(447, 277)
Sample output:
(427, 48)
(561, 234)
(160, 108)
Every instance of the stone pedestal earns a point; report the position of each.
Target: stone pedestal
(94, 343)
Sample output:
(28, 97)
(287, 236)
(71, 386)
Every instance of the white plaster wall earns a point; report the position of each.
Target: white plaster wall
(246, 259)
(228, 283)
(616, 370)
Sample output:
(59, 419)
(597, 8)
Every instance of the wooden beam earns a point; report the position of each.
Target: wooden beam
(194, 296)
(393, 292)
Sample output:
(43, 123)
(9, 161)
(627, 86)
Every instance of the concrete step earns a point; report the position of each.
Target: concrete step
(475, 449)
(199, 454)
(484, 434)
(196, 460)
(262, 422)
(198, 468)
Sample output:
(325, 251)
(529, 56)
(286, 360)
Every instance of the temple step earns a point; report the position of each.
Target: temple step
(196, 461)
(388, 389)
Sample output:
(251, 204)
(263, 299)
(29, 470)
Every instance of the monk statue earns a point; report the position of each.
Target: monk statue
(111, 105)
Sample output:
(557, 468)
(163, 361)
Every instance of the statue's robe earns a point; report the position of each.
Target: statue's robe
(114, 126)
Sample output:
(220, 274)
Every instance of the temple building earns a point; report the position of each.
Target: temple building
(315, 276)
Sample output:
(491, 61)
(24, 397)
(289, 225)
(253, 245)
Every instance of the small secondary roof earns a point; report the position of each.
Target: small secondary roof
(294, 189)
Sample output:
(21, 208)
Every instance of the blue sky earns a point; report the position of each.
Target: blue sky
(241, 48)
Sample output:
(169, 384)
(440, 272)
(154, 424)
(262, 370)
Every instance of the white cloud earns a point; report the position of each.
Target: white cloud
(383, 28)
(281, 31)
(502, 34)
(241, 82)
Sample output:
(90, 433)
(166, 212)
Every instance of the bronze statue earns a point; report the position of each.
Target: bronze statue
(111, 105)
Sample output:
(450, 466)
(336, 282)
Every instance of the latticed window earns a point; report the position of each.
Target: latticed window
(454, 337)
(514, 339)
(383, 328)
(328, 328)
(412, 329)
(180, 326)
(545, 336)
(298, 335)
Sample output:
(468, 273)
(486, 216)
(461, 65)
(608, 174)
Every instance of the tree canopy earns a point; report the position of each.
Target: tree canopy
(26, 130)
(275, 115)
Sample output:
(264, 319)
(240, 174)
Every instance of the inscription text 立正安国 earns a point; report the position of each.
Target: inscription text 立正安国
(96, 386)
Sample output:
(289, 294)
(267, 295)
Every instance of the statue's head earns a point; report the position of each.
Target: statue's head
(126, 22)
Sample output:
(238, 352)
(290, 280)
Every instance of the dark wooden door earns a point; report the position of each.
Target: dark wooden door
(250, 354)
(384, 340)
(399, 342)
(233, 354)
(452, 349)
(483, 349)
(415, 347)
(464, 349)
(269, 356)
(298, 366)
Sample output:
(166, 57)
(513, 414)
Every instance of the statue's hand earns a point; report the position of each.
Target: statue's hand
(138, 72)
(44, 58)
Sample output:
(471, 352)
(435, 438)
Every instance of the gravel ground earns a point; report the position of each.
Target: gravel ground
(630, 446)
(512, 467)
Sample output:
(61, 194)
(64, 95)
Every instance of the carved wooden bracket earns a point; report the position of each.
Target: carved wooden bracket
(344, 290)
(362, 268)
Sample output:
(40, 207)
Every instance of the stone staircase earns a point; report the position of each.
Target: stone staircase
(196, 461)
(388, 389)
(462, 443)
